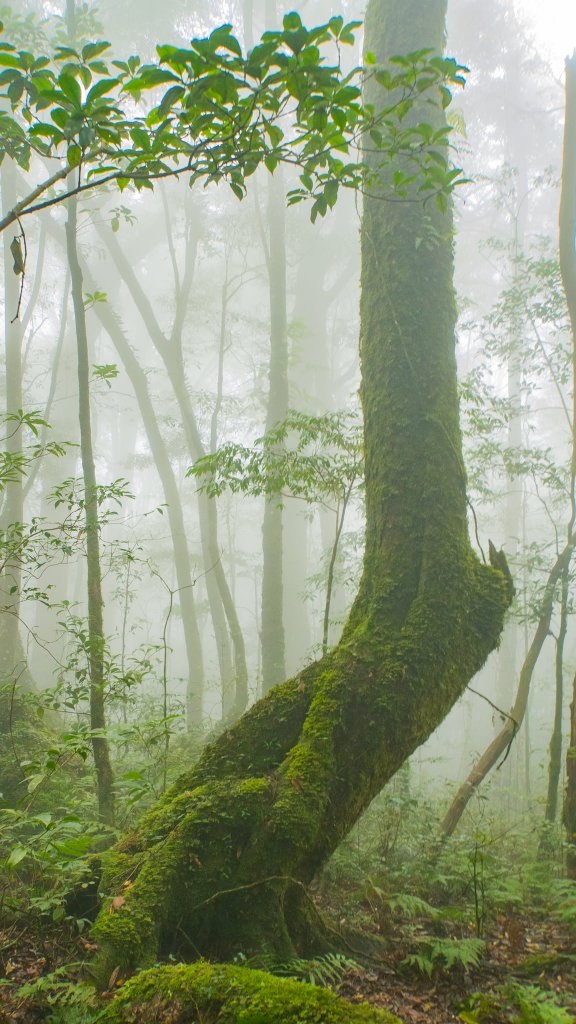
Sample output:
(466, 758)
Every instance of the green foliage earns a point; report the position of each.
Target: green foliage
(218, 114)
(15, 465)
(326, 971)
(43, 858)
(559, 897)
(441, 955)
(67, 1000)
(315, 458)
(516, 1004)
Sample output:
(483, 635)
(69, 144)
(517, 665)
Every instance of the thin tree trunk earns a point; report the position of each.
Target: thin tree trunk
(555, 749)
(568, 270)
(500, 744)
(192, 639)
(567, 234)
(272, 618)
(96, 640)
(13, 660)
(18, 727)
(222, 609)
(569, 807)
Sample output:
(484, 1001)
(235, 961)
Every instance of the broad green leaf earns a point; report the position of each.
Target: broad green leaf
(71, 89)
(17, 854)
(100, 89)
(74, 155)
(92, 50)
(292, 21)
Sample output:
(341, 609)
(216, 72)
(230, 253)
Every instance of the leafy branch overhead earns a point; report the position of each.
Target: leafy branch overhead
(315, 458)
(219, 114)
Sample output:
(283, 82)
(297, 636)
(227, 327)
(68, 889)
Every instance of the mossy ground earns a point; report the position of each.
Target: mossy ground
(223, 994)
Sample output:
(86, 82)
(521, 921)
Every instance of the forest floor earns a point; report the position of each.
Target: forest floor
(530, 951)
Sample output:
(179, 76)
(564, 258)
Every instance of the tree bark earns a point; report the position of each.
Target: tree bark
(569, 807)
(568, 270)
(555, 747)
(13, 659)
(222, 862)
(272, 617)
(96, 640)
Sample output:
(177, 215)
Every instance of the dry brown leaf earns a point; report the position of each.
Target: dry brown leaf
(113, 977)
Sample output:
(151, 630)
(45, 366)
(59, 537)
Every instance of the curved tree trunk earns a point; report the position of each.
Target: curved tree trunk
(221, 863)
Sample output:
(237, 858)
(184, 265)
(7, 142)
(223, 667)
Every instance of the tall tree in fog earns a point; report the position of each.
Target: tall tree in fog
(13, 663)
(271, 798)
(568, 269)
(169, 346)
(558, 576)
(112, 324)
(95, 635)
(274, 240)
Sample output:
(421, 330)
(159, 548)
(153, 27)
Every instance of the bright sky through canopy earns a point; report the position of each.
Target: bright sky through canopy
(554, 26)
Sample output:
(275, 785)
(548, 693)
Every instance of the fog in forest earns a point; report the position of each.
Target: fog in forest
(218, 329)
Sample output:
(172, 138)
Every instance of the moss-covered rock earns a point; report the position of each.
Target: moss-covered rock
(222, 994)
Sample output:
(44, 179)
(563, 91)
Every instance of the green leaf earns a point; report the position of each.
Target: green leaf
(170, 98)
(148, 78)
(15, 90)
(71, 89)
(8, 61)
(100, 89)
(292, 21)
(222, 37)
(44, 819)
(92, 50)
(74, 155)
(17, 854)
(331, 192)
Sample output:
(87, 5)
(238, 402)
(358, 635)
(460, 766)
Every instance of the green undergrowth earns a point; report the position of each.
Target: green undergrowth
(438, 903)
(516, 1004)
(327, 970)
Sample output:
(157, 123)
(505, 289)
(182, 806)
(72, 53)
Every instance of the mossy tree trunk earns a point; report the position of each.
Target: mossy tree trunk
(222, 862)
